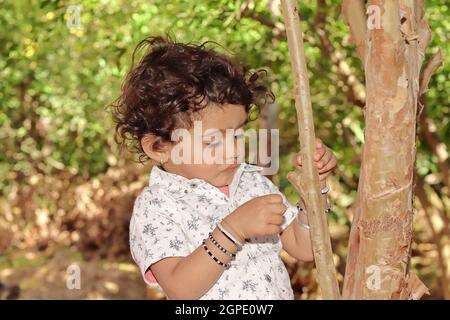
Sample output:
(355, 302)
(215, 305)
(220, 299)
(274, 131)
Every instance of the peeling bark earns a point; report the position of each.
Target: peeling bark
(381, 234)
(306, 181)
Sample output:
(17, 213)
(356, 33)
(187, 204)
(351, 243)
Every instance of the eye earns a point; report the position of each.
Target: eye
(213, 144)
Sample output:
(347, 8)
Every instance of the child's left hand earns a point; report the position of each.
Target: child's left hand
(324, 158)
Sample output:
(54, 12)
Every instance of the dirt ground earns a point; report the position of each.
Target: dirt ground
(44, 275)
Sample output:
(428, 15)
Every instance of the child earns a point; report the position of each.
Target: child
(205, 231)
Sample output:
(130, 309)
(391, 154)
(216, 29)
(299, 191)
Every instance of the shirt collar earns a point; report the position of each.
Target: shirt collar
(179, 186)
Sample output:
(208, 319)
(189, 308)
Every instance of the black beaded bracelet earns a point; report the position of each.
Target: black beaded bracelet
(224, 265)
(217, 244)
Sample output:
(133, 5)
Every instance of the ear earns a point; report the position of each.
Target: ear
(149, 142)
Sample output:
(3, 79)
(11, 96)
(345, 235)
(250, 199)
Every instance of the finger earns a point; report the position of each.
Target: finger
(329, 166)
(297, 160)
(278, 208)
(319, 146)
(276, 219)
(274, 198)
(325, 159)
(319, 154)
(281, 209)
(324, 175)
(273, 229)
(319, 143)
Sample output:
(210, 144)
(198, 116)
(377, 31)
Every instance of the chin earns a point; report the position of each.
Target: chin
(222, 181)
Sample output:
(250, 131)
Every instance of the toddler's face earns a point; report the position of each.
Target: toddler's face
(210, 139)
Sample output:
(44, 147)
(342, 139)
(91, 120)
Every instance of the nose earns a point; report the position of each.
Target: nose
(232, 151)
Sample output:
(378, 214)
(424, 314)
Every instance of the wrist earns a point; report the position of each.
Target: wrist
(302, 217)
(232, 226)
(223, 242)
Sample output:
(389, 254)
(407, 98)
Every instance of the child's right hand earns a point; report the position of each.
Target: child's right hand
(258, 217)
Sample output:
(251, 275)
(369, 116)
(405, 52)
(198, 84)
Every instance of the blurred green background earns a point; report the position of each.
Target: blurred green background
(66, 194)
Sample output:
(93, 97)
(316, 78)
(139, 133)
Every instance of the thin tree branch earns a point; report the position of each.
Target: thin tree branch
(428, 70)
(307, 180)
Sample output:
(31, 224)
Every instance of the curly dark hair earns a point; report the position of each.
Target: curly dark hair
(171, 82)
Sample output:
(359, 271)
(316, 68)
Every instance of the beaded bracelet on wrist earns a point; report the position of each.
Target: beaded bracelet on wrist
(226, 266)
(217, 244)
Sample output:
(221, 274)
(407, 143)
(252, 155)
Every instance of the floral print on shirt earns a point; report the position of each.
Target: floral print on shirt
(173, 214)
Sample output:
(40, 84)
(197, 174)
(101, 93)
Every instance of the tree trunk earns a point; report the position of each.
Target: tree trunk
(392, 51)
(307, 180)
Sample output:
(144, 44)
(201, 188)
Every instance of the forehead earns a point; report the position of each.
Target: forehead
(222, 117)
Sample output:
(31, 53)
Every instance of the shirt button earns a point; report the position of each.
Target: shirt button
(268, 278)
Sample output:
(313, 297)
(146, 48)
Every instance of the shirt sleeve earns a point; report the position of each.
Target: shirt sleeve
(154, 235)
(291, 211)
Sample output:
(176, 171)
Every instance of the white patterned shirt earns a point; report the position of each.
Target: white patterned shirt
(173, 214)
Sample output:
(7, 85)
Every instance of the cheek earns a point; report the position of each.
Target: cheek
(212, 166)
